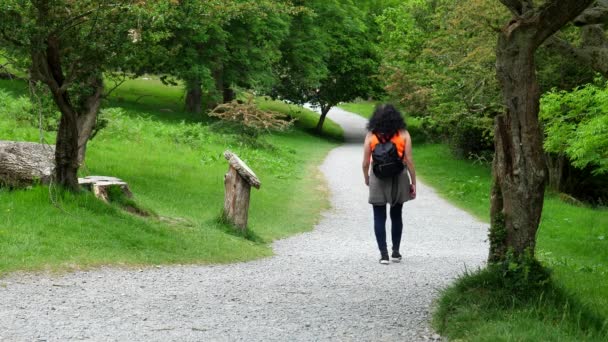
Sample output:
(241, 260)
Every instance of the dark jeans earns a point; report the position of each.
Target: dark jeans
(380, 226)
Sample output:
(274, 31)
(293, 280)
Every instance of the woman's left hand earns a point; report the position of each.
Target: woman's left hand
(413, 191)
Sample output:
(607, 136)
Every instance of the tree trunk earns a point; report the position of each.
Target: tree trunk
(216, 95)
(324, 110)
(74, 128)
(557, 166)
(88, 119)
(227, 93)
(66, 150)
(194, 97)
(519, 169)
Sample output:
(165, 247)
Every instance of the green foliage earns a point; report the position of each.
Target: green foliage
(522, 275)
(37, 110)
(439, 64)
(349, 57)
(576, 125)
(214, 45)
(303, 56)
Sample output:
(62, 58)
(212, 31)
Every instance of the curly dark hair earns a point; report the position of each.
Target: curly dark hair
(386, 121)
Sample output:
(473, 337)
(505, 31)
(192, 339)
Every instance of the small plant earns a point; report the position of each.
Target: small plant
(250, 119)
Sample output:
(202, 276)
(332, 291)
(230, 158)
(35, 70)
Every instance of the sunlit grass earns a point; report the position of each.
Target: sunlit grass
(173, 163)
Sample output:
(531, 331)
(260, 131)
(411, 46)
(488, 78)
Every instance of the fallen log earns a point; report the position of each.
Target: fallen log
(26, 163)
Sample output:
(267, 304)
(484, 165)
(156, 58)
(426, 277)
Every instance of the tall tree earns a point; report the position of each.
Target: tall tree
(519, 170)
(304, 55)
(211, 45)
(352, 64)
(70, 45)
(349, 63)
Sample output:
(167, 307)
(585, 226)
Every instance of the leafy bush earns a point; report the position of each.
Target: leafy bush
(23, 109)
(576, 125)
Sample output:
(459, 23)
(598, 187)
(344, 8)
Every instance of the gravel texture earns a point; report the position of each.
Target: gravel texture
(326, 285)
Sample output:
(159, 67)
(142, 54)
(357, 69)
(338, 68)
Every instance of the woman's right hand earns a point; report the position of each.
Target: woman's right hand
(413, 191)
(367, 180)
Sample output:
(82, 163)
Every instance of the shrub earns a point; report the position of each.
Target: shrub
(576, 125)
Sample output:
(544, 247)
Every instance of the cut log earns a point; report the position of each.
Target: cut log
(244, 171)
(238, 182)
(101, 185)
(25, 163)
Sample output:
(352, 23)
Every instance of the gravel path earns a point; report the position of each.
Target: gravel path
(325, 285)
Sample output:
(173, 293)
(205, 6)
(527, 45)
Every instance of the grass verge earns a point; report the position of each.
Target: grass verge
(361, 108)
(572, 243)
(307, 119)
(174, 165)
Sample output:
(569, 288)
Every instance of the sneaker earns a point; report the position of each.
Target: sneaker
(384, 259)
(396, 256)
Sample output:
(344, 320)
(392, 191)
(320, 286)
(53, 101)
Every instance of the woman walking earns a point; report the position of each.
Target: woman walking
(387, 149)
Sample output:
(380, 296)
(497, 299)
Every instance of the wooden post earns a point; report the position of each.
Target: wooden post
(237, 183)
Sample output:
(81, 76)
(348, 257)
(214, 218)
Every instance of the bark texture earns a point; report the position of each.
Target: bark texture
(236, 201)
(238, 182)
(519, 169)
(24, 163)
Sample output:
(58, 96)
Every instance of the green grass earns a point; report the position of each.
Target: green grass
(572, 242)
(174, 165)
(362, 108)
(307, 119)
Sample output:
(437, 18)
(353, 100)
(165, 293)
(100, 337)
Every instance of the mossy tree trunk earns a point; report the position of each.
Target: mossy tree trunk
(519, 169)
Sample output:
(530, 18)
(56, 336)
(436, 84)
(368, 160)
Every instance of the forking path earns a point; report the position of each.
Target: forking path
(325, 285)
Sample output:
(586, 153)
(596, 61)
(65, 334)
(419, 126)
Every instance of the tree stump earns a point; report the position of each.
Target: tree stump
(100, 186)
(25, 163)
(238, 182)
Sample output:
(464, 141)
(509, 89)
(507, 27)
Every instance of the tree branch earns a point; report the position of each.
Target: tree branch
(518, 7)
(594, 57)
(119, 80)
(597, 14)
(73, 22)
(554, 14)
